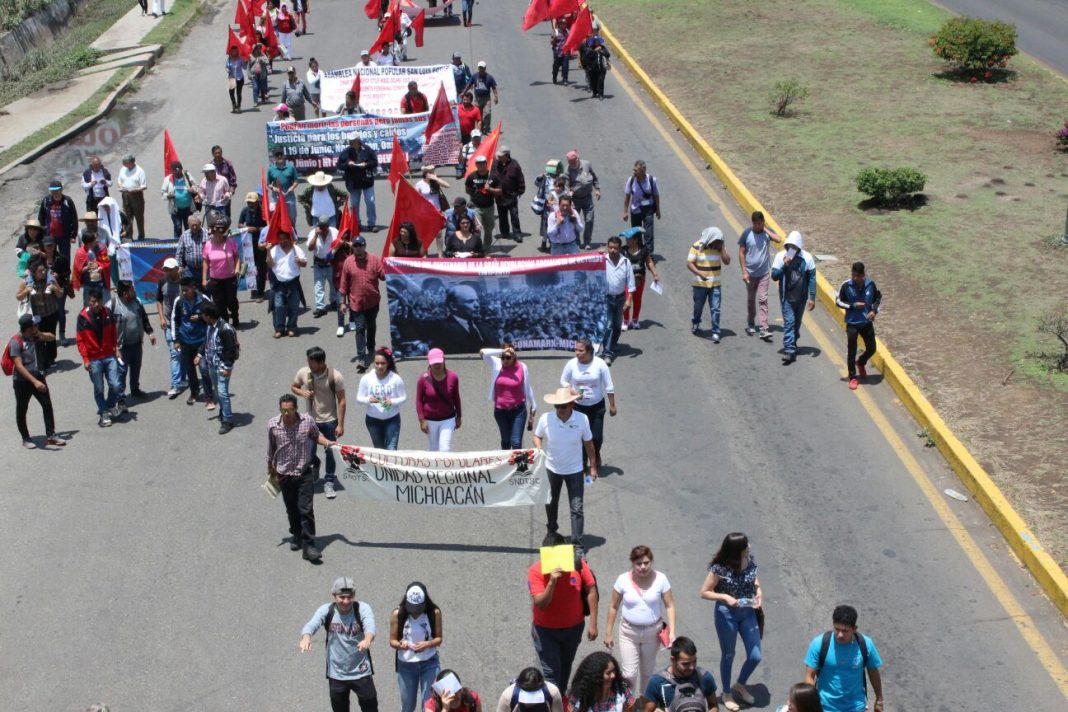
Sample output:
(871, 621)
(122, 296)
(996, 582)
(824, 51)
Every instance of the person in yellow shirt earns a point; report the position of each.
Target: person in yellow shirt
(707, 257)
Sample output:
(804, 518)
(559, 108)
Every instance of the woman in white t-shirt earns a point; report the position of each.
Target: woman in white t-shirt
(415, 633)
(382, 391)
(589, 377)
(648, 606)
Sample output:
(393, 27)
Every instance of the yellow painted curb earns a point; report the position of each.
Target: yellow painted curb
(1020, 539)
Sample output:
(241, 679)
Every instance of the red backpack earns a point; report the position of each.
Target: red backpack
(6, 362)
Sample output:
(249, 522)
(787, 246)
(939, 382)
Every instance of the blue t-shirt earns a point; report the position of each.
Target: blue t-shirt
(757, 256)
(841, 682)
(661, 690)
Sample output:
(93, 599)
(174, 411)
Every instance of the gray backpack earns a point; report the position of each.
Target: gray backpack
(688, 696)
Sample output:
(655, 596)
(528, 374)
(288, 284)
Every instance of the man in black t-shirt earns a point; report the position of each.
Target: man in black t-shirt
(483, 189)
(28, 379)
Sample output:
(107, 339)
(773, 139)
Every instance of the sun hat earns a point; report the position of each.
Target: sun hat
(170, 263)
(561, 396)
(33, 222)
(208, 168)
(320, 179)
(91, 215)
(252, 197)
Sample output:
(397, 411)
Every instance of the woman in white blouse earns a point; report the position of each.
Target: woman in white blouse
(648, 607)
(589, 377)
(382, 391)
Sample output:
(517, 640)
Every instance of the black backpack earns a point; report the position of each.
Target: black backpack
(825, 645)
(326, 627)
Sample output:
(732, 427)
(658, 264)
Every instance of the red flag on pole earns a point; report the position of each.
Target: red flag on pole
(169, 154)
(372, 9)
(412, 207)
(279, 223)
(398, 164)
(440, 115)
(240, 13)
(246, 25)
(390, 28)
(355, 88)
(582, 29)
(487, 148)
(560, 8)
(265, 199)
(270, 39)
(344, 227)
(232, 42)
(537, 11)
(417, 27)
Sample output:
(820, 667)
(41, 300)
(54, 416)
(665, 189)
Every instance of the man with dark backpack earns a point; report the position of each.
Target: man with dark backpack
(323, 387)
(682, 686)
(840, 671)
(531, 692)
(350, 630)
(219, 352)
(21, 361)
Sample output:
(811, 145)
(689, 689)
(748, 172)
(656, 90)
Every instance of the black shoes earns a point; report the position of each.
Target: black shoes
(225, 428)
(294, 543)
(312, 554)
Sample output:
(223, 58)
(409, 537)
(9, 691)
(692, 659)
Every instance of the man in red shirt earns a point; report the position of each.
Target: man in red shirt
(97, 344)
(558, 616)
(360, 295)
(414, 102)
(470, 117)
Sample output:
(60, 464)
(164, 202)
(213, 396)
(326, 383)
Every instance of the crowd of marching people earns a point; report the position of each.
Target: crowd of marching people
(70, 258)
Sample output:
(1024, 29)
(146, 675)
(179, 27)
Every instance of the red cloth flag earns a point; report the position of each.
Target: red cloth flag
(411, 206)
(270, 39)
(582, 29)
(398, 164)
(246, 26)
(417, 27)
(169, 154)
(240, 13)
(372, 9)
(537, 11)
(232, 42)
(355, 88)
(343, 227)
(265, 199)
(279, 223)
(487, 148)
(258, 7)
(560, 8)
(440, 115)
(390, 28)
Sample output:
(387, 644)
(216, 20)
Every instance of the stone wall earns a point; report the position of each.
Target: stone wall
(38, 31)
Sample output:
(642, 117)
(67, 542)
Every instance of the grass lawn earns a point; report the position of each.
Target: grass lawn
(964, 277)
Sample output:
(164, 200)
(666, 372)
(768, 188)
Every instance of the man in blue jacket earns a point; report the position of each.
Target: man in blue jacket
(860, 298)
(795, 271)
(188, 332)
(358, 164)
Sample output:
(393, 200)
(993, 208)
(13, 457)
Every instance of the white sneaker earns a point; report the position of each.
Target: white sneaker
(624, 326)
(172, 392)
(328, 490)
(340, 331)
(352, 326)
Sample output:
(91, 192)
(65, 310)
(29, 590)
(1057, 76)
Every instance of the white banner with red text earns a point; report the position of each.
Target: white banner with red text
(383, 87)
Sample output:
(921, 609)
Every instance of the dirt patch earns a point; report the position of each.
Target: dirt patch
(964, 276)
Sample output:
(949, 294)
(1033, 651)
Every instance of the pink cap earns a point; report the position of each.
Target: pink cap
(572, 155)
(435, 356)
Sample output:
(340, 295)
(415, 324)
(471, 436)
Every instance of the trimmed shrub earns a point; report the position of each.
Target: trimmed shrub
(889, 186)
(1062, 136)
(786, 93)
(1055, 323)
(978, 47)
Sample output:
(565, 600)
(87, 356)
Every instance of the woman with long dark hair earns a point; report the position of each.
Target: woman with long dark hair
(588, 376)
(415, 633)
(598, 686)
(732, 583)
(407, 243)
(803, 698)
(382, 391)
(463, 700)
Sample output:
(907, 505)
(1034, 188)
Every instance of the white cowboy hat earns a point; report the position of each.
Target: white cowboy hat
(320, 179)
(561, 396)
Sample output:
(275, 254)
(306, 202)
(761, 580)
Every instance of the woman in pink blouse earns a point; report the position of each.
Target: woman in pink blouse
(219, 269)
(437, 402)
(511, 394)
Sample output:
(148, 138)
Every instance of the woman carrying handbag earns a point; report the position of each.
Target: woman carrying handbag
(648, 617)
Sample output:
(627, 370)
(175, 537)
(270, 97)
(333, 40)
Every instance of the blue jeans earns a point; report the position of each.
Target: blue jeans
(329, 431)
(286, 305)
(132, 355)
(566, 248)
(414, 680)
(365, 326)
(712, 295)
(730, 622)
(176, 362)
(792, 313)
(556, 648)
(324, 282)
(385, 434)
(369, 199)
(105, 369)
(614, 304)
(510, 423)
(221, 386)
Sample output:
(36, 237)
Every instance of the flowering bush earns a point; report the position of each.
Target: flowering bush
(978, 47)
(1062, 136)
(889, 186)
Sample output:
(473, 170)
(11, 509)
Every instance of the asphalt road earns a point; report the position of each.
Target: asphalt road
(1042, 25)
(144, 567)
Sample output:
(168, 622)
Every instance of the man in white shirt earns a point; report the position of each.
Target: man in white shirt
(320, 239)
(132, 185)
(285, 260)
(564, 227)
(619, 277)
(568, 433)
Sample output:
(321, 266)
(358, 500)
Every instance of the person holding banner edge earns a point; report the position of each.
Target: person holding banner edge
(511, 394)
(570, 441)
(383, 392)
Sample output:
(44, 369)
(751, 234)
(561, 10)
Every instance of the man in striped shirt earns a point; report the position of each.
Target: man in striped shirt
(705, 260)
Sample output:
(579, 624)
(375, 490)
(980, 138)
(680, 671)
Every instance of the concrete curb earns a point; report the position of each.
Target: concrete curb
(1020, 539)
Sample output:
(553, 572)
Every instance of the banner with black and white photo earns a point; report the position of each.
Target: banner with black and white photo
(464, 305)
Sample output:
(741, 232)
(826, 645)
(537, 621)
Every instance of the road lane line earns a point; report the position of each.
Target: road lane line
(1020, 618)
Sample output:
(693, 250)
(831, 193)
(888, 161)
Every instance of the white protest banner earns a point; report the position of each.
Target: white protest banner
(381, 88)
(498, 478)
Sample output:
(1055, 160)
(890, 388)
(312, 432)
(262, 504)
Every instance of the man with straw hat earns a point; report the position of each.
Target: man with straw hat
(322, 202)
(567, 432)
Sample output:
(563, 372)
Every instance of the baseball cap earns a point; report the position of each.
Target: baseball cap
(456, 55)
(291, 68)
(531, 697)
(252, 197)
(170, 263)
(415, 596)
(482, 65)
(27, 320)
(503, 150)
(208, 167)
(476, 132)
(127, 158)
(365, 53)
(342, 584)
(435, 356)
(323, 222)
(360, 240)
(55, 185)
(480, 159)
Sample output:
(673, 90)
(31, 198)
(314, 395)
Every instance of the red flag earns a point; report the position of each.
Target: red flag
(582, 29)
(398, 164)
(537, 11)
(372, 9)
(265, 199)
(560, 8)
(409, 205)
(342, 227)
(487, 148)
(232, 42)
(440, 115)
(270, 39)
(258, 7)
(279, 223)
(245, 25)
(355, 88)
(169, 154)
(417, 27)
(240, 13)
(390, 28)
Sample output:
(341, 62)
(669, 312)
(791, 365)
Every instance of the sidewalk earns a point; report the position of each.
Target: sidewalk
(24, 117)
